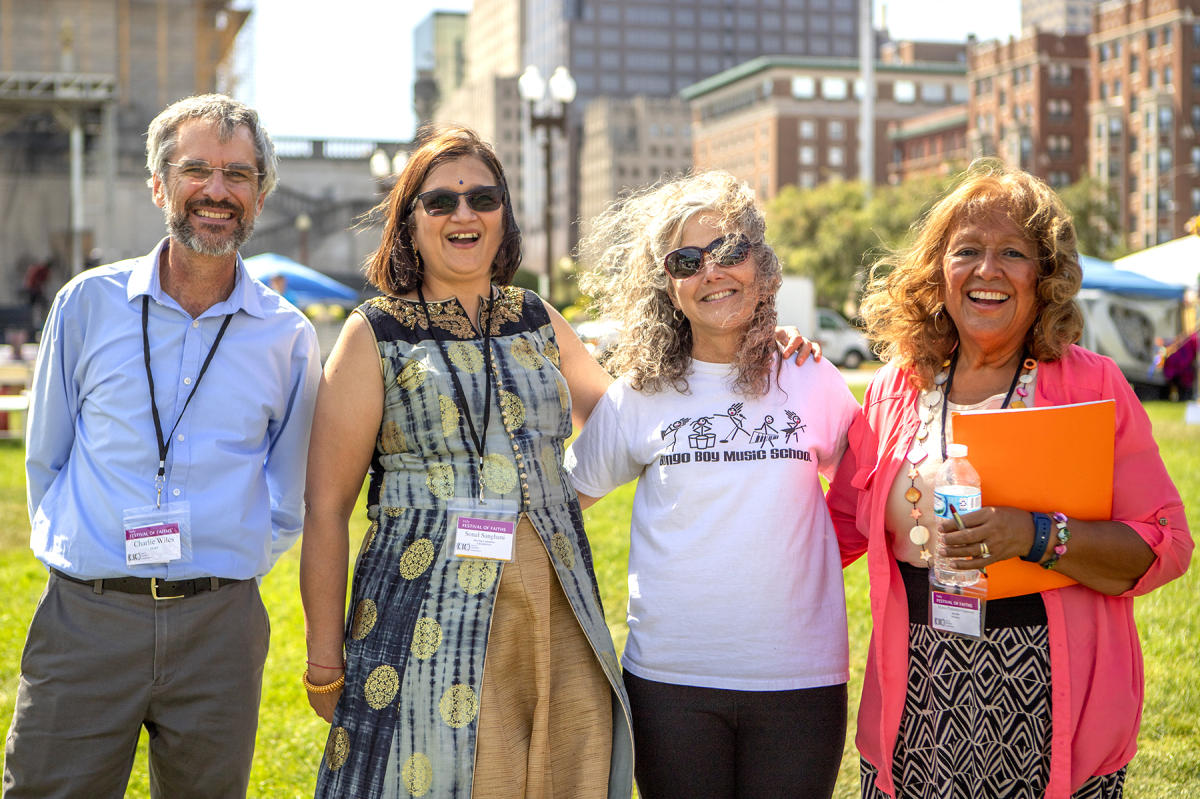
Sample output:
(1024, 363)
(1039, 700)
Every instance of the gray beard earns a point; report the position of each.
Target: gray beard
(182, 230)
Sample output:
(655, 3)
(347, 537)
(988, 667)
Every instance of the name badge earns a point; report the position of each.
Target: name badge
(156, 535)
(157, 543)
(489, 539)
(956, 613)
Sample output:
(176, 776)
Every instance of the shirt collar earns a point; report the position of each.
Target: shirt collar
(144, 279)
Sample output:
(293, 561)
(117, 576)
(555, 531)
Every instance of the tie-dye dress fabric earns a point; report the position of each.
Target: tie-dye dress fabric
(419, 617)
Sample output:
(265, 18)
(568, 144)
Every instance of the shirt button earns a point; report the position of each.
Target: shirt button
(179, 437)
(195, 323)
(187, 381)
(175, 491)
(1162, 520)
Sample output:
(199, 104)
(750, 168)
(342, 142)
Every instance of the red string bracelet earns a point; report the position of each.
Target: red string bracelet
(331, 668)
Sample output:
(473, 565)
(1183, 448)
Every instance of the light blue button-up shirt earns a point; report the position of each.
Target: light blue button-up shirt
(237, 457)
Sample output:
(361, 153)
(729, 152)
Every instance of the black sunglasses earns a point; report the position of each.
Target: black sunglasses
(440, 202)
(726, 251)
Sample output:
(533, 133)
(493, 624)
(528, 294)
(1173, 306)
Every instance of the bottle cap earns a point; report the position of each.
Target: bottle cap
(957, 450)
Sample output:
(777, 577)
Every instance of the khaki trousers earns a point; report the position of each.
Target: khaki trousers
(545, 720)
(98, 667)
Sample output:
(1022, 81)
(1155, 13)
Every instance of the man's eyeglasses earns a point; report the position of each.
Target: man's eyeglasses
(726, 251)
(202, 171)
(440, 202)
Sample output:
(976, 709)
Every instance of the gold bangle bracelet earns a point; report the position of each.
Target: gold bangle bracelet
(336, 685)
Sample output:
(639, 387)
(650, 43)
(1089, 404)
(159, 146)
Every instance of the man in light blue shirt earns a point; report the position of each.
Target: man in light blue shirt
(168, 434)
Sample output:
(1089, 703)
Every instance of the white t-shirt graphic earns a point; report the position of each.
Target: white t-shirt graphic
(734, 575)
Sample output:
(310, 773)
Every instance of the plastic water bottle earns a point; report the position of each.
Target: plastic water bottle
(956, 485)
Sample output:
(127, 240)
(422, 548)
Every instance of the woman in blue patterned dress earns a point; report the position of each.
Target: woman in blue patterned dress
(476, 656)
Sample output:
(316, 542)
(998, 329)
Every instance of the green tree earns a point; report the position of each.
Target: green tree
(1096, 209)
(832, 234)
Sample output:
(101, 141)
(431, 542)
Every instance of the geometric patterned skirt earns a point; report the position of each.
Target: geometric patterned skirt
(976, 720)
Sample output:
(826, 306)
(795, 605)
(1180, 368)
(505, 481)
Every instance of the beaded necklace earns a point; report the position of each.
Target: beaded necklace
(932, 403)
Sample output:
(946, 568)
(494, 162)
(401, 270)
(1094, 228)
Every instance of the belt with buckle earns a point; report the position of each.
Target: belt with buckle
(152, 586)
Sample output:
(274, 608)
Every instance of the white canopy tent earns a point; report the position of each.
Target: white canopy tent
(1176, 262)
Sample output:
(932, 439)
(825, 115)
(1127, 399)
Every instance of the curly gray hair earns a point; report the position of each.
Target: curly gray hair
(626, 280)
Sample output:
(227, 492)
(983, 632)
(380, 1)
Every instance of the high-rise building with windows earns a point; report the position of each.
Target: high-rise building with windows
(776, 121)
(487, 100)
(439, 60)
(1058, 16)
(1027, 103)
(1144, 114)
(629, 143)
(654, 48)
(930, 144)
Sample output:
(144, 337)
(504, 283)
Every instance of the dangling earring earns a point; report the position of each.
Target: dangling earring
(940, 325)
(678, 316)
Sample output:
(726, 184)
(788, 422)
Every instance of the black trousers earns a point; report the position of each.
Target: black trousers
(718, 744)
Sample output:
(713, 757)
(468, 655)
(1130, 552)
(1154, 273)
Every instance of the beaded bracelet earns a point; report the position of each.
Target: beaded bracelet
(1064, 535)
(336, 685)
(1041, 537)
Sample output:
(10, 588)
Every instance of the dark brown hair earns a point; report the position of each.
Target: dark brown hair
(394, 268)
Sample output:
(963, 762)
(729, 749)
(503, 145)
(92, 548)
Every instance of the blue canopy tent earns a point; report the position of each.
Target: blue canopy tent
(305, 286)
(1102, 275)
(1126, 316)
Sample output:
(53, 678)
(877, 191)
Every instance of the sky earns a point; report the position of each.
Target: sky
(344, 69)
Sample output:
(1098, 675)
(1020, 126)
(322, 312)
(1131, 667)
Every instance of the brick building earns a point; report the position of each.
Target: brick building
(776, 121)
(1058, 16)
(931, 144)
(1144, 113)
(1027, 103)
(623, 49)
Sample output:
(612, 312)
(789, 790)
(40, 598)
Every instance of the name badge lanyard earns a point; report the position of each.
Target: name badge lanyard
(164, 444)
(460, 396)
(946, 395)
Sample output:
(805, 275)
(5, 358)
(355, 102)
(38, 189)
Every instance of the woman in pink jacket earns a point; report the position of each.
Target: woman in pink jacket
(979, 313)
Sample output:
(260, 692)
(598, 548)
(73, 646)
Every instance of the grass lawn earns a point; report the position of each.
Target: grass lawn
(290, 737)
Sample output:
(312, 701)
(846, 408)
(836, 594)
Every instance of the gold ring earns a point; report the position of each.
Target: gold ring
(984, 552)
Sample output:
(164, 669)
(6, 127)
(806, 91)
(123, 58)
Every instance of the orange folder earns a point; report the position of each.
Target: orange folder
(1058, 458)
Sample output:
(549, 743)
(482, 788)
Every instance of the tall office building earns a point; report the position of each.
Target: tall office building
(79, 82)
(1027, 103)
(776, 121)
(628, 143)
(495, 38)
(1144, 113)
(1058, 16)
(654, 48)
(487, 99)
(439, 60)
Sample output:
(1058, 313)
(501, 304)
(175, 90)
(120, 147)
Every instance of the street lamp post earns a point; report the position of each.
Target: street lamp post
(532, 88)
(386, 169)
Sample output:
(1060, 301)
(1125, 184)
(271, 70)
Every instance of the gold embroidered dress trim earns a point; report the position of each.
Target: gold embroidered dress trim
(449, 315)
